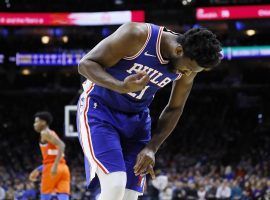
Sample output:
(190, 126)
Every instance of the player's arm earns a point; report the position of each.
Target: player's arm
(166, 123)
(46, 136)
(35, 173)
(125, 41)
(172, 112)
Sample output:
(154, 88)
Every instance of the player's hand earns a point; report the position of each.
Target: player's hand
(145, 163)
(135, 82)
(33, 175)
(150, 170)
(54, 170)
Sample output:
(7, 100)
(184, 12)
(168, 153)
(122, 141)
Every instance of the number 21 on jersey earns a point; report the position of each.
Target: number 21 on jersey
(140, 94)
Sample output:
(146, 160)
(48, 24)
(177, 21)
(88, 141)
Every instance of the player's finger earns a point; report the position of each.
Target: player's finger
(151, 172)
(138, 162)
(139, 167)
(134, 77)
(138, 75)
(143, 80)
(141, 73)
(142, 167)
(143, 163)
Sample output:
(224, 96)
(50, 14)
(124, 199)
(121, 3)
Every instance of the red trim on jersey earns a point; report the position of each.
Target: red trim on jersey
(88, 133)
(92, 85)
(162, 61)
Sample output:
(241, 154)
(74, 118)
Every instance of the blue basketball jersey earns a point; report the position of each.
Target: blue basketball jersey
(148, 59)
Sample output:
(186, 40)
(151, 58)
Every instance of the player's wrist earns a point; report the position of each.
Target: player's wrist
(152, 147)
(121, 87)
(39, 168)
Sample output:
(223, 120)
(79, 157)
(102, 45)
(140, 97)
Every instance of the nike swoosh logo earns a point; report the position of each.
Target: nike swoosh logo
(147, 54)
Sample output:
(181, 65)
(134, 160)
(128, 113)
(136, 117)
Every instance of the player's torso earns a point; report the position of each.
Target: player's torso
(49, 151)
(148, 59)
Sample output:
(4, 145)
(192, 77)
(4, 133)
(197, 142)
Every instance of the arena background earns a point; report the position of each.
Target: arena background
(222, 139)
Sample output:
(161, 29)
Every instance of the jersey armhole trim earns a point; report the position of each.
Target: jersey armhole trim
(161, 60)
(143, 47)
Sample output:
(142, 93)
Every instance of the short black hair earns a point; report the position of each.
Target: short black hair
(201, 45)
(45, 115)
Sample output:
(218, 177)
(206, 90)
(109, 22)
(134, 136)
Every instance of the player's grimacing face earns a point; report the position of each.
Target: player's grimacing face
(39, 124)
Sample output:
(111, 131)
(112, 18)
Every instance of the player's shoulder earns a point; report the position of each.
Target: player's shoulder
(135, 30)
(135, 27)
(45, 134)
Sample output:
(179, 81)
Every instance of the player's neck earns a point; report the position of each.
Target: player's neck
(167, 43)
(47, 128)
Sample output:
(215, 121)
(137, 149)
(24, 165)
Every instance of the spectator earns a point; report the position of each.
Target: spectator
(162, 184)
(19, 191)
(30, 193)
(212, 190)
(166, 194)
(179, 191)
(202, 193)
(191, 191)
(2, 192)
(236, 191)
(223, 191)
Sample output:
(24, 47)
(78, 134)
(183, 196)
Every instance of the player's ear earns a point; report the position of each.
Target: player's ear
(179, 50)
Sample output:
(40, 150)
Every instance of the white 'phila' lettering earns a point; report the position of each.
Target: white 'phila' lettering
(164, 82)
(155, 76)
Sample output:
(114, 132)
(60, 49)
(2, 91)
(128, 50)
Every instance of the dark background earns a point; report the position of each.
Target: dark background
(225, 123)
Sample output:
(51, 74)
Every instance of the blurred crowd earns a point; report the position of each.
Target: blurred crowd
(219, 150)
(192, 179)
(206, 180)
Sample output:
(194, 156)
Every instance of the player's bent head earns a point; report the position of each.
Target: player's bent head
(42, 119)
(202, 46)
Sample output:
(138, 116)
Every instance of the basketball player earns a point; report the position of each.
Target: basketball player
(55, 178)
(124, 71)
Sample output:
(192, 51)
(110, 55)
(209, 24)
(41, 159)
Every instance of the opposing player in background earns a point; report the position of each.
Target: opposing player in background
(124, 71)
(55, 179)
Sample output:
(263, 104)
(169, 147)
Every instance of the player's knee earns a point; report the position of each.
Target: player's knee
(113, 186)
(131, 195)
(119, 181)
(117, 190)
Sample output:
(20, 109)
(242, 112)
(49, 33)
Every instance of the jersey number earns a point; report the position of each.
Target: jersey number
(140, 95)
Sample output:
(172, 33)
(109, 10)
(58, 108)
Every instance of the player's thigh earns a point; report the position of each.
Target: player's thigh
(48, 182)
(107, 147)
(63, 184)
(100, 137)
